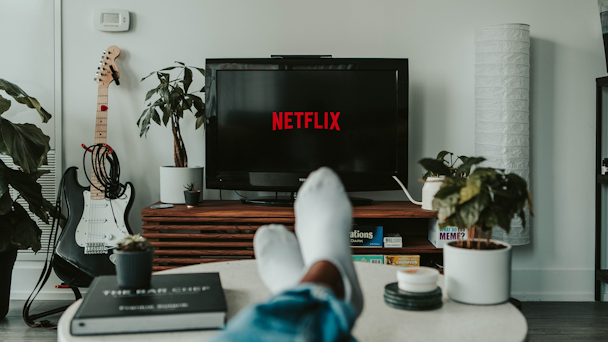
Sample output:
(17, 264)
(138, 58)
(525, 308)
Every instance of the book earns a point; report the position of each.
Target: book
(173, 302)
(372, 259)
(439, 237)
(402, 260)
(366, 236)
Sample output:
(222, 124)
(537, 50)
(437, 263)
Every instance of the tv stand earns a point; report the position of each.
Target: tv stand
(223, 230)
(287, 201)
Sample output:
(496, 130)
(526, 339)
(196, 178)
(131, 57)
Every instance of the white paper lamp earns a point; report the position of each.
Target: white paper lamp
(502, 93)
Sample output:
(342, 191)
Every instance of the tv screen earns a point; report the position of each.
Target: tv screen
(273, 121)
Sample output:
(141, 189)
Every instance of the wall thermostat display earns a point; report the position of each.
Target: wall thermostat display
(111, 20)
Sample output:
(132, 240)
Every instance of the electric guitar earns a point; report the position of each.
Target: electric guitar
(95, 223)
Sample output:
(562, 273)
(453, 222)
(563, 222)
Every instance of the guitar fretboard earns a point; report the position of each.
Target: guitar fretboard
(101, 131)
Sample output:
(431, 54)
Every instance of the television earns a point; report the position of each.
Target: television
(271, 121)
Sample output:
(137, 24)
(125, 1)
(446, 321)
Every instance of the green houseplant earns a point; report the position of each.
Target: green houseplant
(478, 270)
(134, 257)
(437, 169)
(166, 103)
(28, 146)
(191, 195)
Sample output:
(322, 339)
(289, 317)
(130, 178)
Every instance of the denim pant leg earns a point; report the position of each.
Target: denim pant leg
(308, 312)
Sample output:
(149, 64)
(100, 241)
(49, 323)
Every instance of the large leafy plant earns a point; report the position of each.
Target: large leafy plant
(28, 146)
(487, 198)
(167, 102)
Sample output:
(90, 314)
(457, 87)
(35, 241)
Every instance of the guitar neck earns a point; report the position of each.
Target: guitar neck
(101, 130)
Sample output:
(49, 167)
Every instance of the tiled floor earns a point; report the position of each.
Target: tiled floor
(547, 321)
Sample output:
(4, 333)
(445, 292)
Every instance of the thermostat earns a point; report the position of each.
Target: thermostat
(111, 20)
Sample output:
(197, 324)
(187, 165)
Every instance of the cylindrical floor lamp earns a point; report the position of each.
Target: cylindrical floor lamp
(502, 91)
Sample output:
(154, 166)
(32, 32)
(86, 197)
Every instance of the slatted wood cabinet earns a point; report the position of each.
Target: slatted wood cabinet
(223, 230)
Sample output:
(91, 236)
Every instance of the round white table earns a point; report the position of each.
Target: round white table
(378, 322)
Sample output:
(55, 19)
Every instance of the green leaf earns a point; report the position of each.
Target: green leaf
(187, 79)
(156, 117)
(441, 155)
(202, 89)
(150, 93)
(467, 193)
(202, 71)
(145, 124)
(200, 120)
(166, 115)
(180, 63)
(168, 68)
(467, 163)
(435, 166)
(152, 73)
(26, 233)
(4, 104)
(25, 143)
(163, 78)
(6, 203)
(20, 96)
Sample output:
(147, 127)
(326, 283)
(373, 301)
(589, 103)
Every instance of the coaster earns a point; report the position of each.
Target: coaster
(416, 301)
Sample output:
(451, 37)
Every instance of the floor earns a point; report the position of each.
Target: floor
(547, 321)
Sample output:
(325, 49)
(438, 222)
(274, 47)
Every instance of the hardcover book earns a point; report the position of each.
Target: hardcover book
(172, 302)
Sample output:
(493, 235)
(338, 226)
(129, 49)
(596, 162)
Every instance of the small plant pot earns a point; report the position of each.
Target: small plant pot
(192, 198)
(134, 269)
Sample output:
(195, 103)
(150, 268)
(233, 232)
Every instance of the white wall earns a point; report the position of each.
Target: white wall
(436, 36)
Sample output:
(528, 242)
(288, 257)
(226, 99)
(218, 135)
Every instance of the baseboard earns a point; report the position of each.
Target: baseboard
(556, 285)
(25, 277)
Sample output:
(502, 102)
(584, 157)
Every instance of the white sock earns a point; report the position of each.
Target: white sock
(278, 257)
(323, 222)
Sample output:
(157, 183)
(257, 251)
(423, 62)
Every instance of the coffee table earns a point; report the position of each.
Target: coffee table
(378, 322)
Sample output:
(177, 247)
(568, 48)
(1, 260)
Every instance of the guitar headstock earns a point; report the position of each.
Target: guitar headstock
(107, 70)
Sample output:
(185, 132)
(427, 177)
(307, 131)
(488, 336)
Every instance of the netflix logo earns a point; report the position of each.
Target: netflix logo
(298, 120)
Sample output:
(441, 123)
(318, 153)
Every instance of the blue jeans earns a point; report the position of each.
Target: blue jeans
(307, 312)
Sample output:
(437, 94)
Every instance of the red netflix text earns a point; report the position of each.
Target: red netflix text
(298, 120)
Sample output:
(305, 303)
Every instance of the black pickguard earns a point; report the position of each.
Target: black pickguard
(70, 263)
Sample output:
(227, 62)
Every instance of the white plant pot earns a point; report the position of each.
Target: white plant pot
(173, 179)
(478, 276)
(429, 189)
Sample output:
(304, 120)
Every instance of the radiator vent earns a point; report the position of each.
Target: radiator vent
(48, 182)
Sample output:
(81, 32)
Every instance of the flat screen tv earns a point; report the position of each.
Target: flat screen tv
(271, 121)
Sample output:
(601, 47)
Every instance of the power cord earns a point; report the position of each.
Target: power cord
(110, 184)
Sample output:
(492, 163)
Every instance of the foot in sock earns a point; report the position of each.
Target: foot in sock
(278, 257)
(323, 222)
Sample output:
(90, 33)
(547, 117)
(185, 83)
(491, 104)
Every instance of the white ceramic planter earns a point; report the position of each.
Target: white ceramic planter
(429, 189)
(173, 179)
(478, 276)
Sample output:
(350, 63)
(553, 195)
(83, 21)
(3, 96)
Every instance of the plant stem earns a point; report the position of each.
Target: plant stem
(179, 150)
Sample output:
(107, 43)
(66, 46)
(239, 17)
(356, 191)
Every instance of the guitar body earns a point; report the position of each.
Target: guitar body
(92, 230)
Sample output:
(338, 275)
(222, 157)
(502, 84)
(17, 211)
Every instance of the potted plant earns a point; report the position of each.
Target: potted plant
(437, 169)
(478, 270)
(28, 146)
(134, 256)
(166, 104)
(192, 196)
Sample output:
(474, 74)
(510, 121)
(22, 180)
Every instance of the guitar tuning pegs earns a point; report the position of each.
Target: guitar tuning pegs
(95, 79)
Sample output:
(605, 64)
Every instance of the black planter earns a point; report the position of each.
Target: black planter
(7, 261)
(192, 198)
(134, 269)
